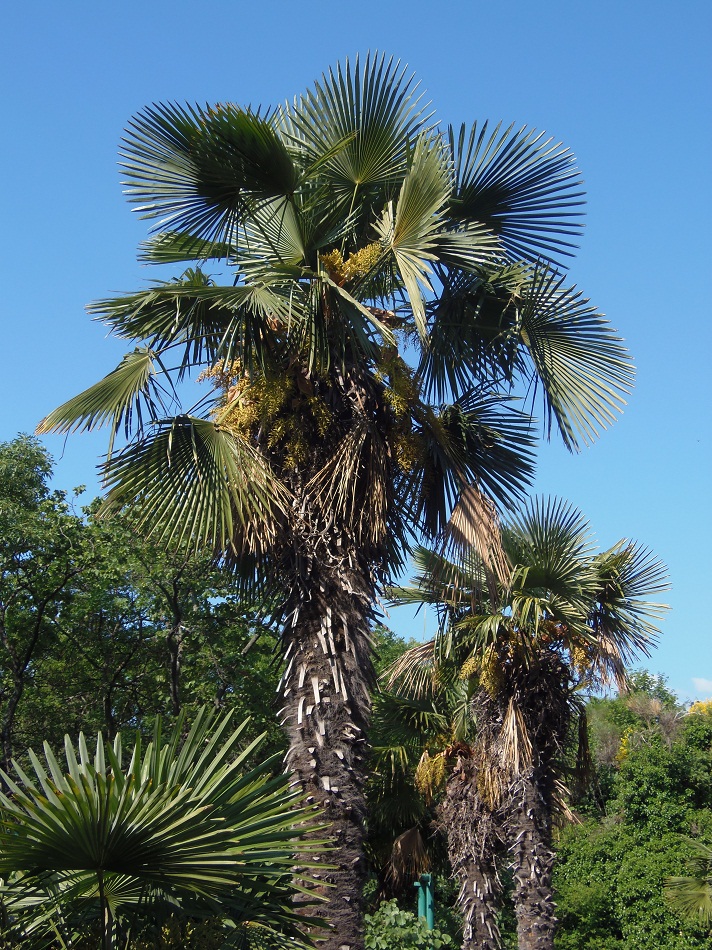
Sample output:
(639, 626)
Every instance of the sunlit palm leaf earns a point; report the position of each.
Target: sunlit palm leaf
(628, 574)
(205, 321)
(171, 248)
(521, 186)
(415, 232)
(366, 115)
(126, 395)
(196, 483)
(582, 366)
(202, 169)
(473, 329)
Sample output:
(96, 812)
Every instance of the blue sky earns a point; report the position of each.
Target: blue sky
(625, 85)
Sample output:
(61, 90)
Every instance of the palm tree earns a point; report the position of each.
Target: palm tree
(563, 618)
(389, 283)
(185, 826)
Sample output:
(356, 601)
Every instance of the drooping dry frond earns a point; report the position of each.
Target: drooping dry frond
(516, 746)
(474, 526)
(414, 671)
(352, 488)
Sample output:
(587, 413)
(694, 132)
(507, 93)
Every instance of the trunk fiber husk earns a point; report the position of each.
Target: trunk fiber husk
(473, 841)
(326, 696)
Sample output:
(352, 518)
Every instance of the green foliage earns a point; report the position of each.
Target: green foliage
(611, 871)
(146, 630)
(184, 825)
(391, 928)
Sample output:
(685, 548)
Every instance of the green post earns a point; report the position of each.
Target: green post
(426, 899)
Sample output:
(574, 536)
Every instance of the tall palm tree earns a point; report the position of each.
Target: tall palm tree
(185, 825)
(389, 283)
(561, 619)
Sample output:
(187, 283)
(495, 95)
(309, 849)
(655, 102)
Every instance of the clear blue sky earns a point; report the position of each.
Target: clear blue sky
(626, 85)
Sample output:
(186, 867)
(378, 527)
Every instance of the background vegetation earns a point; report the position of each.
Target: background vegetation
(101, 631)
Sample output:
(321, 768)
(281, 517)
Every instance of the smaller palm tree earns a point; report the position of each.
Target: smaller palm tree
(184, 827)
(529, 628)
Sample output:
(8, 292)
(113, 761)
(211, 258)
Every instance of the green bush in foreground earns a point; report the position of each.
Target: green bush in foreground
(96, 850)
(391, 928)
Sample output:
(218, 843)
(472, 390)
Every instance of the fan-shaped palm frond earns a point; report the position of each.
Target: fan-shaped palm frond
(185, 820)
(205, 485)
(364, 119)
(580, 362)
(691, 895)
(203, 169)
(415, 231)
(520, 185)
(480, 440)
(125, 395)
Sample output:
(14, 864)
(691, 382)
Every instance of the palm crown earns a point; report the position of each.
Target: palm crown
(378, 262)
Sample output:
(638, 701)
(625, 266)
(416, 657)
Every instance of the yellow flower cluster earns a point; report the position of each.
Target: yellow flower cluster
(430, 775)
(624, 747)
(356, 265)
(701, 708)
(409, 450)
(469, 668)
(288, 416)
(491, 673)
(222, 375)
(580, 659)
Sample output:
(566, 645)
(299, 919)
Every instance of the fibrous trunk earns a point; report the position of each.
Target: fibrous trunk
(529, 831)
(473, 841)
(326, 689)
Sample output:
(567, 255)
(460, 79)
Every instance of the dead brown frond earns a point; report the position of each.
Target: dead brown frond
(408, 859)
(491, 783)
(607, 663)
(352, 487)
(516, 747)
(474, 526)
(415, 671)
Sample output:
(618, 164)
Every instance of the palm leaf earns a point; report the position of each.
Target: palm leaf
(691, 895)
(578, 359)
(170, 247)
(519, 185)
(356, 124)
(204, 169)
(415, 232)
(127, 394)
(194, 482)
(623, 617)
(187, 823)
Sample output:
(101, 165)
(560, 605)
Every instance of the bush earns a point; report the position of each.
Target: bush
(391, 928)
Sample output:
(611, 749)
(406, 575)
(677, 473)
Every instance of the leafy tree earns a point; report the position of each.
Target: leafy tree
(183, 827)
(145, 631)
(42, 555)
(560, 617)
(610, 873)
(358, 235)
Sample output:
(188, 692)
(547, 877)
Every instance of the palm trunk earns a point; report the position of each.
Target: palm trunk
(473, 840)
(326, 689)
(529, 830)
